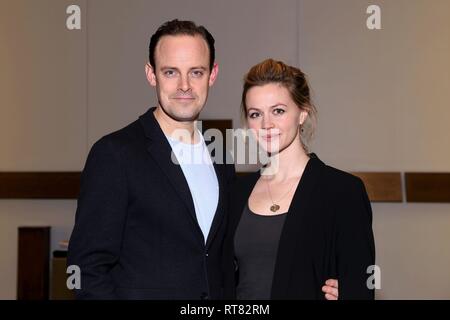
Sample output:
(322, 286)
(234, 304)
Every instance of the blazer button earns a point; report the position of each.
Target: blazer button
(204, 296)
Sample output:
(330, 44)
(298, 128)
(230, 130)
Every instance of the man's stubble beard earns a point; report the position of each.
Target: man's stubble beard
(175, 117)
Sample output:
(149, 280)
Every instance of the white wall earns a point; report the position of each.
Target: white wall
(43, 88)
(381, 95)
(412, 244)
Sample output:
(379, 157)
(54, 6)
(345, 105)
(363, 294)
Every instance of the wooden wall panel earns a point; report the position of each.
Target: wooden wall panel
(427, 187)
(39, 185)
(382, 186)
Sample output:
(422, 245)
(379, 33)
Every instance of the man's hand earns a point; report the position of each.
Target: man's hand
(331, 289)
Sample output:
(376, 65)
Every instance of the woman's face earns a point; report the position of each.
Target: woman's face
(273, 116)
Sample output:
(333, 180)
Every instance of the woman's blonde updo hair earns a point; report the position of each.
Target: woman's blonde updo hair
(294, 80)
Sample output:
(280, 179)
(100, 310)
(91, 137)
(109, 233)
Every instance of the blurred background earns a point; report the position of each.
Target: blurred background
(383, 99)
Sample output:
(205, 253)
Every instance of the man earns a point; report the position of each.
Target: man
(147, 227)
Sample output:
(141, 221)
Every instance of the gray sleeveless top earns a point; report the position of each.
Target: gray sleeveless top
(256, 245)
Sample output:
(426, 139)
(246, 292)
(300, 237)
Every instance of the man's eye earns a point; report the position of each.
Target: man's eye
(197, 73)
(169, 73)
(278, 111)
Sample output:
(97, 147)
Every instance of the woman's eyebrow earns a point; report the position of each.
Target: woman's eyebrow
(271, 107)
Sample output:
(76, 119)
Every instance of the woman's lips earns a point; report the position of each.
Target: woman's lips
(270, 137)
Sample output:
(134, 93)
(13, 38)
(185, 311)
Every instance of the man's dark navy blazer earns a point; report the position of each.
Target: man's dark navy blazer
(136, 235)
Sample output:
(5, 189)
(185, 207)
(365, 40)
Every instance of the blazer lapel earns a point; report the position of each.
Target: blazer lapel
(220, 211)
(160, 150)
(299, 208)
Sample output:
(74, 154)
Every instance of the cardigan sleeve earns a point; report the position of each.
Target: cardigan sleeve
(355, 243)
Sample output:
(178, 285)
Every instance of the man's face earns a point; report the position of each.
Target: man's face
(181, 75)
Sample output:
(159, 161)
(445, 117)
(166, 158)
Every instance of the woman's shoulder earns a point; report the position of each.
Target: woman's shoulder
(341, 181)
(341, 177)
(349, 192)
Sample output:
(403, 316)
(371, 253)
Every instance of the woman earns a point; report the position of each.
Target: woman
(298, 222)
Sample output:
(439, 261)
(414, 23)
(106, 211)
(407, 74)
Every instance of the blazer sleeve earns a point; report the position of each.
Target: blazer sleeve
(96, 239)
(355, 244)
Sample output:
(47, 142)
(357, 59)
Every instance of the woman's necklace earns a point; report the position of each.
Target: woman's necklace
(275, 207)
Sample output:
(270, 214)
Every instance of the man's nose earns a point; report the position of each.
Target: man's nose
(184, 84)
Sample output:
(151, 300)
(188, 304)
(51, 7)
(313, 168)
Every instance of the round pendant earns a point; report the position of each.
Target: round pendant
(274, 208)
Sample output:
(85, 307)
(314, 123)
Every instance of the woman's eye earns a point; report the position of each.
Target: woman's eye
(278, 111)
(253, 114)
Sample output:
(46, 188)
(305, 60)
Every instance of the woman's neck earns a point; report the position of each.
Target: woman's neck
(289, 163)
